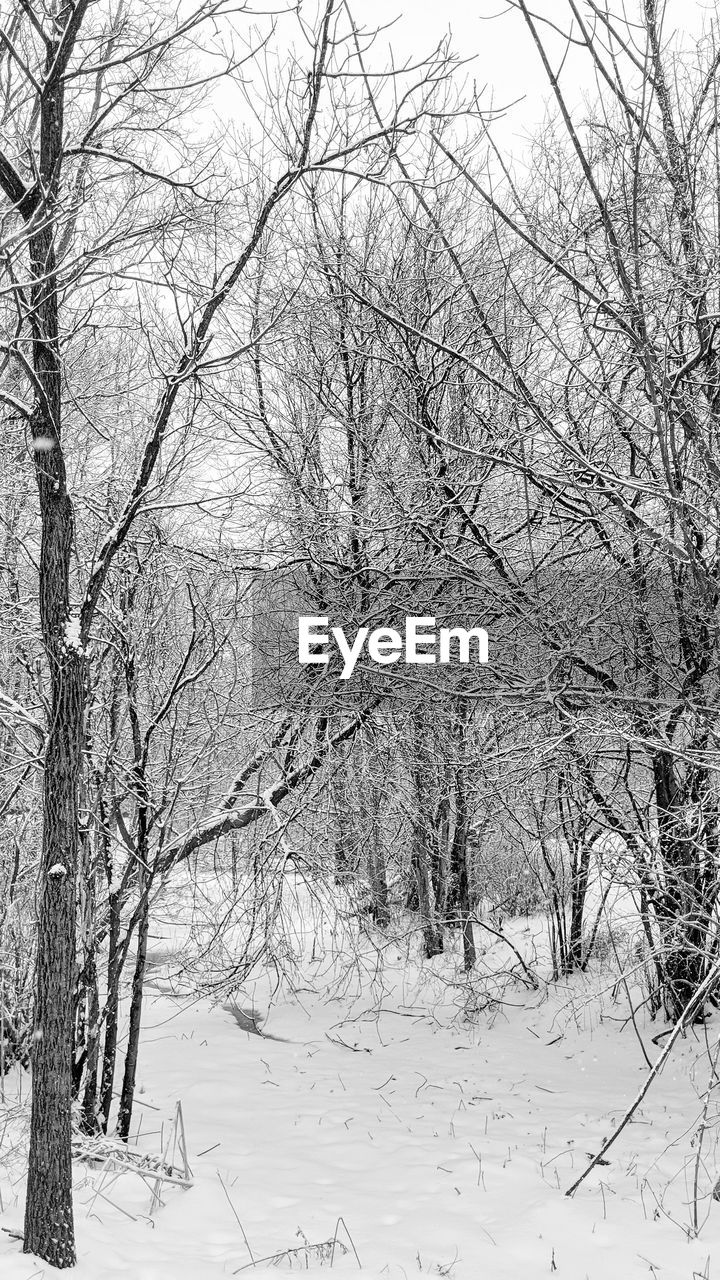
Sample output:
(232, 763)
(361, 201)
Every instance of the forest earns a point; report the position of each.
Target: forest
(296, 352)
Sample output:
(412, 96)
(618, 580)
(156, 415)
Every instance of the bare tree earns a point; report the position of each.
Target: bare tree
(94, 184)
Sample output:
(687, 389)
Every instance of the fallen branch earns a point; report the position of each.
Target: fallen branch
(693, 1004)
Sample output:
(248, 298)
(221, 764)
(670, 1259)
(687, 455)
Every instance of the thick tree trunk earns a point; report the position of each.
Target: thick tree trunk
(49, 1214)
(49, 1230)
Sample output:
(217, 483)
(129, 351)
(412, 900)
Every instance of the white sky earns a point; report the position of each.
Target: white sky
(491, 38)
(503, 56)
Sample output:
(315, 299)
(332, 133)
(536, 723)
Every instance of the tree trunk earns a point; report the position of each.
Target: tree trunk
(131, 1056)
(343, 841)
(422, 857)
(112, 1000)
(86, 994)
(89, 1104)
(103, 858)
(687, 903)
(459, 878)
(49, 1229)
(378, 870)
(431, 927)
(578, 892)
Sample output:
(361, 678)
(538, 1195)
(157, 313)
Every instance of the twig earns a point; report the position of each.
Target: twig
(207, 1150)
(237, 1219)
(354, 1048)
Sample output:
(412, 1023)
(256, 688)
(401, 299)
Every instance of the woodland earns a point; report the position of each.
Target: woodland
(285, 332)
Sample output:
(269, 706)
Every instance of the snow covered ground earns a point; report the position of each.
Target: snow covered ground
(422, 1140)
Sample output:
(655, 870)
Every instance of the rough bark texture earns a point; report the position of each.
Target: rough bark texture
(49, 1215)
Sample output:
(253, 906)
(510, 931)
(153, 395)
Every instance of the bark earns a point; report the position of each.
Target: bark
(441, 847)
(87, 995)
(131, 1056)
(378, 870)
(343, 841)
(95, 1018)
(422, 859)
(578, 892)
(686, 906)
(431, 927)
(112, 1000)
(49, 1229)
(49, 1213)
(89, 1104)
(459, 877)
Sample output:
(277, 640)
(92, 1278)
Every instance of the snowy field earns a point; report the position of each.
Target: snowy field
(389, 1123)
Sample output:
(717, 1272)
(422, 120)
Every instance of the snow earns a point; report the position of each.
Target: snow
(15, 709)
(72, 633)
(435, 1136)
